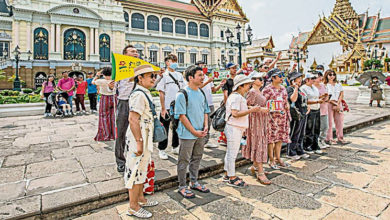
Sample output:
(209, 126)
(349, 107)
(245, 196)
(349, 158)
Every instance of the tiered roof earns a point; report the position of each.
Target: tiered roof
(345, 10)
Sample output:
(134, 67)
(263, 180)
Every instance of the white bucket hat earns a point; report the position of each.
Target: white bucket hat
(257, 75)
(240, 80)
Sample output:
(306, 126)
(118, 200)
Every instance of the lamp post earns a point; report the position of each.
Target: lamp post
(17, 58)
(239, 44)
(298, 54)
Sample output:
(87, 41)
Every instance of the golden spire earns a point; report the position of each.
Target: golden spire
(345, 10)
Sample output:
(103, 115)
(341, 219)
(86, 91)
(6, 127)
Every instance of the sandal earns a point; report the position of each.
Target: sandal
(274, 166)
(148, 203)
(225, 178)
(254, 170)
(284, 164)
(266, 182)
(236, 182)
(198, 187)
(141, 213)
(186, 193)
(343, 142)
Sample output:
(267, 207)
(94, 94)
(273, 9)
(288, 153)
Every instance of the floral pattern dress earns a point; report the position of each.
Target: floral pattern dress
(256, 148)
(279, 122)
(136, 170)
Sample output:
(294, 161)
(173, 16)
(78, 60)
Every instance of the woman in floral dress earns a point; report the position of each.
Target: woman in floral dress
(278, 123)
(256, 148)
(139, 146)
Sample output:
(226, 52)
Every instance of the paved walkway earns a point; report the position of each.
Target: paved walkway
(349, 182)
(50, 164)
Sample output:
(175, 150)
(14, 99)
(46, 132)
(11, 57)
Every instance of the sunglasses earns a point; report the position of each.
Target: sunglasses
(266, 67)
(332, 74)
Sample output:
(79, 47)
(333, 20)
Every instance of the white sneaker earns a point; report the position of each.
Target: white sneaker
(175, 150)
(296, 157)
(323, 145)
(163, 155)
(210, 145)
(305, 156)
(318, 151)
(83, 112)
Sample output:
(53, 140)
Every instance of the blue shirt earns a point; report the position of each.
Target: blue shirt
(91, 87)
(195, 110)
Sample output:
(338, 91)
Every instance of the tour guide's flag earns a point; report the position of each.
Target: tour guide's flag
(123, 66)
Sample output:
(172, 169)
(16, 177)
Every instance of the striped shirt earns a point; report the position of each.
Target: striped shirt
(124, 88)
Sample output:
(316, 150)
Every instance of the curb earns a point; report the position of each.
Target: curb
(88, 205)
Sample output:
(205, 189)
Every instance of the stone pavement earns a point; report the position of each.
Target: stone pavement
(349, 182)
(55, 168)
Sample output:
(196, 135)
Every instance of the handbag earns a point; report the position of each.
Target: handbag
(295, 114)
(159, 132)
(218, 118)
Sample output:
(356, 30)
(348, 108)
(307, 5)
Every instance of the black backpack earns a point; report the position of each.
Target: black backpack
(175, 122)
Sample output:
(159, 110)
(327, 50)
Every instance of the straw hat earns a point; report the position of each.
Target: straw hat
(139, 70)
(240, 80)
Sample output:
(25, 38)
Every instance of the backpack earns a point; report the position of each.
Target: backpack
(175, 122)
(218, 118)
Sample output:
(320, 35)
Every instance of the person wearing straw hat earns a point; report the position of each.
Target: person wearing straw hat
(139, 145)
(237, 122)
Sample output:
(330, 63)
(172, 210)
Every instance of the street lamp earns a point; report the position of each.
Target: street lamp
(239, 44)
(17, 58)
(297, 54)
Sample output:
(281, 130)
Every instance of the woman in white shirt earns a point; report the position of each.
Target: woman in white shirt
(335, 108)
(237, 121)
(106, 128)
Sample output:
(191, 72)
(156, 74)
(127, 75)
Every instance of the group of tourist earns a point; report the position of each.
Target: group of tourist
(61, 95)
(261, 115)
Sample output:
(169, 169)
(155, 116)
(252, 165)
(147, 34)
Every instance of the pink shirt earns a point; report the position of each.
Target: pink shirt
(66, 84)
(239, 103)
(49, 87)
(324, 106)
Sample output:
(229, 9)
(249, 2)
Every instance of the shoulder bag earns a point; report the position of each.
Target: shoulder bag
(159, 132)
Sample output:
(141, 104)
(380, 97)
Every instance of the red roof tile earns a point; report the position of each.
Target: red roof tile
(173, 4)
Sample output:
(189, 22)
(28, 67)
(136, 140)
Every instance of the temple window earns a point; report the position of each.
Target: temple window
(104, 48)
(74, 44)
(41, 48)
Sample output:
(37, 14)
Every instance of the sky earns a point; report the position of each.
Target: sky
(284, 18)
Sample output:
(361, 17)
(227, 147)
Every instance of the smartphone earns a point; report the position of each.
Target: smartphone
(330, 96)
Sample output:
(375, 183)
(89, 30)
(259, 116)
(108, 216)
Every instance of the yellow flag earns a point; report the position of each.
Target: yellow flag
(123, 66)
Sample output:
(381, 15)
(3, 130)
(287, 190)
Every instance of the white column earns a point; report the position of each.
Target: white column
(146, 23)
(16, 33)
(198, 30)
(174, 27)
(160, 24)
(58, 38)
(52, 38)
(29, 39)
(91, 41)
(186, 22)
(96, 40)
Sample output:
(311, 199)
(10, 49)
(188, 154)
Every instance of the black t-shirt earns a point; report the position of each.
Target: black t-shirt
(228, 86)
(301, 103)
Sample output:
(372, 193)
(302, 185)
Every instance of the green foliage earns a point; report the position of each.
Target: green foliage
(368, 63)
(155, 93)
(37, 91)
(27, 91)
(19, 99)
(387, 59)
(2, 76)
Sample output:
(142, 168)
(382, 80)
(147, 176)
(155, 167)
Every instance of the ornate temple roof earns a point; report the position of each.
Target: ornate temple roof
(220, 7)
(344, 9)
(343, 25)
